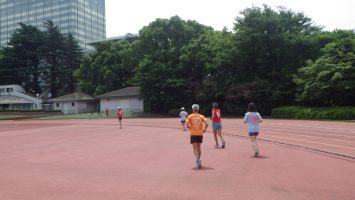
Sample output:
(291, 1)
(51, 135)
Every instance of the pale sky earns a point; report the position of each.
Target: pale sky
(129, 16)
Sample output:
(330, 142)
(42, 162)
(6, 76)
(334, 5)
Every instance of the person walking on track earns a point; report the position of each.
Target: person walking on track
(253, 118)
(120, 116)
(197, 124)
(183, 115)
(217, 125)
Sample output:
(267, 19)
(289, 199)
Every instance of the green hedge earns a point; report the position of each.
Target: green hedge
(299, 112)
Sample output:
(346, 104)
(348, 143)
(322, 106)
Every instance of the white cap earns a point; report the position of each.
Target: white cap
(182, 108)
(119, 108)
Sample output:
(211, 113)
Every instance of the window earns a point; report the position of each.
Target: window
(9, 89)
(73, 104)
(57, 105)
(2, 90)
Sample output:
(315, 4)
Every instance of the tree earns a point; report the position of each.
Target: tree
(53, 57)
(270, 46)
(330, 79)
(22, 57)
(109, 68)
(41, 61)
(206, 67)
(73, 54)
(160, 73)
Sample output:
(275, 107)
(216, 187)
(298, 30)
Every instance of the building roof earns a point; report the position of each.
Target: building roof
(8, 99)
(124, 92)
(77, 96)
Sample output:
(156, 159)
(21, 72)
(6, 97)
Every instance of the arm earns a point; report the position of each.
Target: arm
(206, 126)
(260, 119)
(206, 123)
(187, 124)
(245, 119)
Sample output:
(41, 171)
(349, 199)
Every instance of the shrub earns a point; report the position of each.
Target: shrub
(299, 112)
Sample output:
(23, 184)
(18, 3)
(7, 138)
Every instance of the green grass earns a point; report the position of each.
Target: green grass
(8, 116)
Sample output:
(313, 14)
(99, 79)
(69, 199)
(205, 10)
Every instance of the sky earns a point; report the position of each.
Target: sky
(129, 16)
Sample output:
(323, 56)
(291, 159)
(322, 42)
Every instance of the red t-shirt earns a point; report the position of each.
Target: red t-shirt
(216, 115)
(119, 114)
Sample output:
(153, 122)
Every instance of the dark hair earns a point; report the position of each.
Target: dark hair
(251, 107)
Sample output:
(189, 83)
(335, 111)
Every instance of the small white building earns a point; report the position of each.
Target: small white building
(75, 103)
(14, 97)
(128, 98)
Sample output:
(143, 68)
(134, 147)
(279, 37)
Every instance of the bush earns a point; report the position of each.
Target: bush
(299, 112)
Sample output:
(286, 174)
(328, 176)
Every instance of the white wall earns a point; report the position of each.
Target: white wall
(79, 107)
(131, 104)
(66, 107)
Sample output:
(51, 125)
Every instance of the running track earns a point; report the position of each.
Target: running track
(152, 159)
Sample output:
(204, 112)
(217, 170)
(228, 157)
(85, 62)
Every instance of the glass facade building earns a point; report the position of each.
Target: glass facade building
(85, 19)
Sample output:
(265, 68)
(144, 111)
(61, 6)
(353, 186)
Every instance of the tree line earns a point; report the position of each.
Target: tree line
(272, 58)
(41, 61)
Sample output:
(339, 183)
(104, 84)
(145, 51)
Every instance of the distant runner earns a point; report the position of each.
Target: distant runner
(120, 116)
(217, 125)
(183, 114)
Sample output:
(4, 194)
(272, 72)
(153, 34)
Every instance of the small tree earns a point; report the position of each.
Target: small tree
(330, 79)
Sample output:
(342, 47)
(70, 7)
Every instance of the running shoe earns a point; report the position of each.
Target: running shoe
(199, 165)
(256, 153)
(223, 145)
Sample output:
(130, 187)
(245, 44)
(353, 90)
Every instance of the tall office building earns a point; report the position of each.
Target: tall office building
(85, 19)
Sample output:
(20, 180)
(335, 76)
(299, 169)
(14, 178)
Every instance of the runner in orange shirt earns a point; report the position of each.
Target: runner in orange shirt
(197, 124)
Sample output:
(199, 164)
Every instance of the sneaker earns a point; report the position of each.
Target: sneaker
(216, 146)
(256, 154)
(223, 145)
(199, 165)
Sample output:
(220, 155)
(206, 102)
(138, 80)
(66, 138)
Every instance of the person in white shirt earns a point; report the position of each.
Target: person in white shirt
(183, 115)
(253, 118)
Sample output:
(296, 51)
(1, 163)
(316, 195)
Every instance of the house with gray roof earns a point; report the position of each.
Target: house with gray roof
(14, 97)
(127, 98)
(75, 103)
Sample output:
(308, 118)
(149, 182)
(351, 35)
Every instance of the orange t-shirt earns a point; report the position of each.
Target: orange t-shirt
(196, 123)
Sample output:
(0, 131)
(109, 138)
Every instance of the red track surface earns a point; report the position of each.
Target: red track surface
(152, 159)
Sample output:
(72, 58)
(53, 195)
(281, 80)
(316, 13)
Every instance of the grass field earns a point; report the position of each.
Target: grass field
(8, 116)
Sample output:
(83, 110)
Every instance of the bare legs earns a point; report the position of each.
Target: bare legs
(197, 151)
(219, 133)
(120, 121)
(255, 144)
(183, 126)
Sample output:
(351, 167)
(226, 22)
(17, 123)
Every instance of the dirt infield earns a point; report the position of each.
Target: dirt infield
(152, 159)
